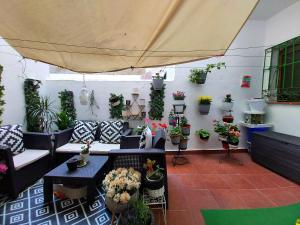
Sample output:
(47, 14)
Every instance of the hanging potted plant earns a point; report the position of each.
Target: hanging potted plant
(221, 129)
(233, 136)
(185, 126)
(204, 104)
(158, 81)
(203, 134)
(228, 118)
(121, 186)
(154, 179)
(179, 95)
(183, 142)
(175, 134)
(227, 103)
(198, 76)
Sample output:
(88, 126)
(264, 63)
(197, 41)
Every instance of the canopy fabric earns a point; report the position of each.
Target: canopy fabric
(104, 35)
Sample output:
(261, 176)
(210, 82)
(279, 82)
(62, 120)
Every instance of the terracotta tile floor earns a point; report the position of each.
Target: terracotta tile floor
(205, 183)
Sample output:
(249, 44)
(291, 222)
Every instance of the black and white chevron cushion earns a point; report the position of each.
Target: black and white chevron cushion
(146, 139)
(84, 131)
(12, 136)
(111, 131)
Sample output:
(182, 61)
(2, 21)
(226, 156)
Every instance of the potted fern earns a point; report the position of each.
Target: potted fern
(63, 121)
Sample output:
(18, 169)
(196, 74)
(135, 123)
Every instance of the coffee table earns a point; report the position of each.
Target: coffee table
(88, 175)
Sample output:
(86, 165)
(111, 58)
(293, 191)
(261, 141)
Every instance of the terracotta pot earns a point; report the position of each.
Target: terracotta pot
(228, 119)
(225, 144)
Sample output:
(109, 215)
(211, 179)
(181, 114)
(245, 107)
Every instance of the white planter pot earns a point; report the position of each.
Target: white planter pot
(227, 106)
(85, 157)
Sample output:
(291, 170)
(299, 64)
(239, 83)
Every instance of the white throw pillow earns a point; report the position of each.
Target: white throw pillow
(146, 139)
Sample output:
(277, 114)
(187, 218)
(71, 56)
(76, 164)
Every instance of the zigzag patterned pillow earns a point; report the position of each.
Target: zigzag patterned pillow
(12, 136)
(84, 131)
(111, 131)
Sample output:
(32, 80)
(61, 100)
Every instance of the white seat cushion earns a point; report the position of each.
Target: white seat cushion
(102, 148)
(28, 156)
(96, 148)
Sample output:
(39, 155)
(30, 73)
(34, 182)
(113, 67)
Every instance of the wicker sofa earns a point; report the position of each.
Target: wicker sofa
(27, 167)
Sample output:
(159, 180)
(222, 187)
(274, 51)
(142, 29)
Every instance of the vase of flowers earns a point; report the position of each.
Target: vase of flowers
(85, 152)
(175, 134)
(120, 186)
(227, 103)
(203, 134)
(154, 179)
(204, 104)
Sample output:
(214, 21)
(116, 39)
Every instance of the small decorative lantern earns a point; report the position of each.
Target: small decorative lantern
(179, 108)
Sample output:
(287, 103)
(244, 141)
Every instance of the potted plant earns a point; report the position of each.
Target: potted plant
(228, 118)
(227, 103)
(179, 95)
(233, 135)
(154, 179)
(198, 76)
(204, 104)
(185, 126)
(45, 112)
(203, 134)
(137, 213)
(171, 118)
(85, 152)
(63, 121)
(221, 129)
(158, 81)
(120, 186)
(183, 142)
(139, 129)
(114, 100)
(175, 134)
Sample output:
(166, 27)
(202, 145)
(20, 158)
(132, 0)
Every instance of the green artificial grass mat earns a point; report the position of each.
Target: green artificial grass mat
(283, 215)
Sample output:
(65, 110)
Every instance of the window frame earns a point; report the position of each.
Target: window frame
(276, 94)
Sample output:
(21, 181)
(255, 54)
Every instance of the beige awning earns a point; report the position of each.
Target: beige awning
(108, 35)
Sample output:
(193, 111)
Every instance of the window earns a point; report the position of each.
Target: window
(281, 80)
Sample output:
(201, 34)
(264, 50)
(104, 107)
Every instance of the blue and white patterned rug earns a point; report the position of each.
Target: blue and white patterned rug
(29, 208)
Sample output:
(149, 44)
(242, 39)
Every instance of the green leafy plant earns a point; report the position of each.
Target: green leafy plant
(116, 105)
(228, 98)
(221, 128)
(205, 100)
(45, 112)
(139, 129)
(86, 149)
(67, 104)
(184, 122)
(156, 103)
(151, 173)
(198, 76)
(63, 121)
(203, 134)
(2, 102)
(137, 213)
(175, 131)
(32, 99)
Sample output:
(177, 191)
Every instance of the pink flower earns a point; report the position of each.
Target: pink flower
(147, 120)
(3, 168)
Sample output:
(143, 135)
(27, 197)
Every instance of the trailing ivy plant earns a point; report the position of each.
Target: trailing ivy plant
(2, 102)
(157, 103)
(32, 100)
(67, 103)
(116, 103)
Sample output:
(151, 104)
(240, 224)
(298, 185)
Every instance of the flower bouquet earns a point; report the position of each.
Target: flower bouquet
(120, 186)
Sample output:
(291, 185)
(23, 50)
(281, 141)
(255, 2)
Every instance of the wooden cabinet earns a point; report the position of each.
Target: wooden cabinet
(278, 152)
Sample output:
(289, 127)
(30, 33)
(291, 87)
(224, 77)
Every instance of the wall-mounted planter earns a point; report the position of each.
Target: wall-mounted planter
(202, 78)
(175, 140)
(204, 108)
(227, 106)
(185, 130)
(183, 143)
(157, 83)
(228, 119)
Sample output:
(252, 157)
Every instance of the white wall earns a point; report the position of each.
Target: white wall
(280, 28)
(13, 79)
(218, 84)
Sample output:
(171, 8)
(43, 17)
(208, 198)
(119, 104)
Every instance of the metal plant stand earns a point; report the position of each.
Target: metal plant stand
(228, 157)
(159, 203)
